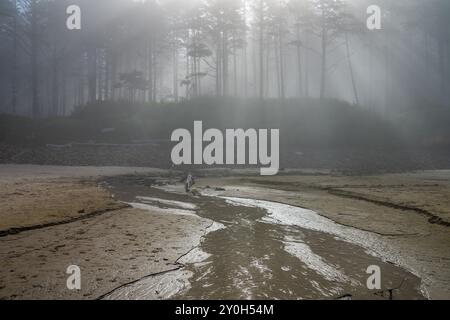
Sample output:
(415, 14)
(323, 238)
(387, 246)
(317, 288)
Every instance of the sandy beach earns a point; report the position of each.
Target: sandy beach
(117, 244)
(113, 244)
(410, 211)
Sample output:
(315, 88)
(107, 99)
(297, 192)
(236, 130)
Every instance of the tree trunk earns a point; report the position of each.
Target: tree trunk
(255, 64)
(199, 66)
(15, 68)
(175, 74)
(235, 78)
(150, 71)
(187, 67)
(266, 70)
(324, 57)
(34, 61)
(387, 80)
(306, 68)
(55, 84)
(107, 84)
(350, 66)
(244, 52)
(154, 68)
(281, 58)
(245, 71)
(113, 75)
(261, 49)
(194, 72)
(225, 73)
(92, 74)
(277, 68)
(218, 67)
(299, 61)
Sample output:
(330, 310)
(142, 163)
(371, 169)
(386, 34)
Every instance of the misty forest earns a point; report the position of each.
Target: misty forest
(310, 67)
(225, 149)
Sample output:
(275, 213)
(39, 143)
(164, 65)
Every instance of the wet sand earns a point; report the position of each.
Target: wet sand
(112, 248)
(386, 205)
(268, 250)
(162, 249)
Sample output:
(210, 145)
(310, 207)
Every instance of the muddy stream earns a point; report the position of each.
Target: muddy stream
(263, 250)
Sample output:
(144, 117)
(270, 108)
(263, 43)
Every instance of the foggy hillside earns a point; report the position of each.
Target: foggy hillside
(312, 68)
(171, 50)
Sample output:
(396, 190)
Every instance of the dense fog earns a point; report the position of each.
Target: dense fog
(173, 50)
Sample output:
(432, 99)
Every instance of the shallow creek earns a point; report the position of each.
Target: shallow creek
(264, 250)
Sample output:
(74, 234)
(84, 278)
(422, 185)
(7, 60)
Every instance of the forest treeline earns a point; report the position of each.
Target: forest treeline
(307, 123)
(173, 50)
(304, 123)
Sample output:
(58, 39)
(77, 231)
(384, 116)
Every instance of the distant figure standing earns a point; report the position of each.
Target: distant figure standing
(189, 182)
